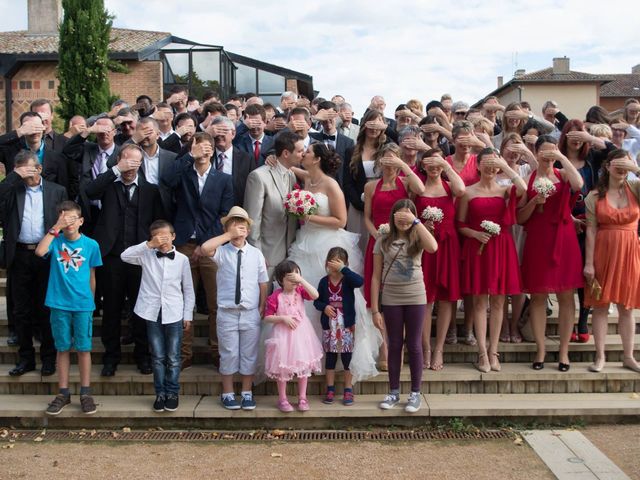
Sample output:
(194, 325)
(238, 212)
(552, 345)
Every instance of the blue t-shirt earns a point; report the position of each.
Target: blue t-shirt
(70, 275)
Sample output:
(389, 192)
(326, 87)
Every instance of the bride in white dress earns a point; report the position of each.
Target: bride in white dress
(321, 232)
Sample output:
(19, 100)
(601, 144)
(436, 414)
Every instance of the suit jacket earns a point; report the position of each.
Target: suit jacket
(242, 165)
(245, 143)
(12, 198)
(273, 230)
(171, 143)
(56, 142)
(343, 143)
(55, 166)
(110, 221)
(353, 187)
(195, 212)
(83, 154)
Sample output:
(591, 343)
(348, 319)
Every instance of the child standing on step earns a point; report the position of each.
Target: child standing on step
(292, 349)
(72, 284)
(242, 281)
(336, 301)
(166, 302)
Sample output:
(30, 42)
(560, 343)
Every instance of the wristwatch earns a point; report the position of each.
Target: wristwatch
(54, 232)
(416, 221)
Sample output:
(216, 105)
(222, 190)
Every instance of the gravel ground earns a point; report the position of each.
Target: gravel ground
(620, 443)
(477, 460)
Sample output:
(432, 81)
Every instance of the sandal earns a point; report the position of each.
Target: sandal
(437, 361)
(484, 368)
(505, 338)
(426, 354)
(495, 362)
(452, 336)
(383, 366)
(517, 338)
(470, 339)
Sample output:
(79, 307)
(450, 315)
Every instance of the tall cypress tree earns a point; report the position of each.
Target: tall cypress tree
(83, 58)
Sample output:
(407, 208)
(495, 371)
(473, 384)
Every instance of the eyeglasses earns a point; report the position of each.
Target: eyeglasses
(460, 113)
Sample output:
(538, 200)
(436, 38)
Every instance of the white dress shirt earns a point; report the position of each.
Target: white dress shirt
(32, 227)
(227, 166)
(253, 272)
(133, 188)
(165, 284)
(164, 135)
(202, 179)
(151, 165)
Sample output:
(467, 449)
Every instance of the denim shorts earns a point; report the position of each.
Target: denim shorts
(71, 329)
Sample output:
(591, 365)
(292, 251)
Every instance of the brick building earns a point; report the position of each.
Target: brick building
(156, 61)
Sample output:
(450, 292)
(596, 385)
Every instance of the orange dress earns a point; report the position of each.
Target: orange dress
(616, 256)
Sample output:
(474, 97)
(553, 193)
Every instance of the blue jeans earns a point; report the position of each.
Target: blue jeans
(164, 342)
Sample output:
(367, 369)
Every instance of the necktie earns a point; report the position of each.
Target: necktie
(256, 151)
(170, 255)
(97, 164)
(221, 158)
(238, 265)
(328, 137)
(127, 191)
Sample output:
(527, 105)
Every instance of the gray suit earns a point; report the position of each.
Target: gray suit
(273, 231)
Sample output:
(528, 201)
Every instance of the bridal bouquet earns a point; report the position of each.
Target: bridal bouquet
(545, 188)
(491, 228)
(383, 229)
(432, 215)
(300, 203)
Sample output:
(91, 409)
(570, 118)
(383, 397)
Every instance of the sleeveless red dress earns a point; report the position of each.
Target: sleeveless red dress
(381, 203)
(496, 270)
(441, 269)
(551, 259)
(469, 173)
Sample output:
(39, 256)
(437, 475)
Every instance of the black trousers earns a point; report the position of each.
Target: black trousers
(29, 278)
(121, 280)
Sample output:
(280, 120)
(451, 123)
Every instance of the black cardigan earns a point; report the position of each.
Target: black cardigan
(350, 281)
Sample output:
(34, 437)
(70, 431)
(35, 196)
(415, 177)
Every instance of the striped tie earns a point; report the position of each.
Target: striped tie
(97, 165)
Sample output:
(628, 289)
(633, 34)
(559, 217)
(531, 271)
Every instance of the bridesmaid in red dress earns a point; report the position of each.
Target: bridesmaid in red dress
(379, 197)
(464, 162)
(489, 262)
(551, 259)
(441, 269)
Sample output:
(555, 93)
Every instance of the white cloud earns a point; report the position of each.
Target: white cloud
(413, 49)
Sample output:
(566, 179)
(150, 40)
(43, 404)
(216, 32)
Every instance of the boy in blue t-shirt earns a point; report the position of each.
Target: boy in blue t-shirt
(70, 292)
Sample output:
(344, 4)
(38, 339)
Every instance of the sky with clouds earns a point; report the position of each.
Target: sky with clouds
(401, 50)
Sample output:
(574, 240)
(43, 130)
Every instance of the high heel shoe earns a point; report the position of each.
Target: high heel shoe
(597, 366)
(583, 337)
(494, 362)
(631, 364)
(564, 367)
(484, 368)
(574, 337)
(537, 365)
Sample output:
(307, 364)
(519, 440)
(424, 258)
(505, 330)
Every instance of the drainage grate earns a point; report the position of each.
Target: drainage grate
(127, 435)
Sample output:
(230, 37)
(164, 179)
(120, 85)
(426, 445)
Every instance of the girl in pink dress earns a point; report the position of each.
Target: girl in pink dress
(441, 270)
(292, 349)
(489, 259)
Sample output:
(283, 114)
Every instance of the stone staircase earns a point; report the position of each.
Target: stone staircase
(516, 394)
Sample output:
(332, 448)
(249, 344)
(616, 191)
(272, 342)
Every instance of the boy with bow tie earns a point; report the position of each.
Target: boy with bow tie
(166, 300)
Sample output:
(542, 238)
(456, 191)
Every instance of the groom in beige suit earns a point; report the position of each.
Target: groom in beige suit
(273, 230)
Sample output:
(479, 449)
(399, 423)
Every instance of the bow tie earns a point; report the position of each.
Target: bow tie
(170, 255)
(328, 137)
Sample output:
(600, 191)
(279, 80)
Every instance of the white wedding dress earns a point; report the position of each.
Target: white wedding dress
(309, 251)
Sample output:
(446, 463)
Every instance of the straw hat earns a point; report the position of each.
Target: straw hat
(236, 212)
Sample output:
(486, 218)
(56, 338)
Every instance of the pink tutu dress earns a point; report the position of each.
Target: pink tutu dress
(291, 352)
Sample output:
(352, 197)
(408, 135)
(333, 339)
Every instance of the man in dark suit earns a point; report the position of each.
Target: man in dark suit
(55, 141)
(254, 141)
(29, 136)
(129, 206)
(92, 159)
(28, 203)
(229, 159)
(157, 163)
(327, 115)
(203, 196)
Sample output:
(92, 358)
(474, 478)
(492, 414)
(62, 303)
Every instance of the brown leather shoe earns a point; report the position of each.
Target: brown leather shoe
(186, 363)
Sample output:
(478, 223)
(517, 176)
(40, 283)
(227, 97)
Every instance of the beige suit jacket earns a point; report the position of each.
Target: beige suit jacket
(273, 230)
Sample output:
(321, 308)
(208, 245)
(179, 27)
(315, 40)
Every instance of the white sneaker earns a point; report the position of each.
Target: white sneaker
(390, 401)
(413, 403)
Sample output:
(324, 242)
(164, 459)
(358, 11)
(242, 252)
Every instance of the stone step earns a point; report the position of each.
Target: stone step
(198, 411)
(509, 352)
(514, 378)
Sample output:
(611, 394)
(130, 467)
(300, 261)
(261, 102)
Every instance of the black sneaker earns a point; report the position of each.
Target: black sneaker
(158, 405)
(58, 403)
(171, 403)
(87, 405)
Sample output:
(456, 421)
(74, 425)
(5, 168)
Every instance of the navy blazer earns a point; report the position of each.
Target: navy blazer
(343, 143)
(244, 142)
(350, 281)
(195, 212)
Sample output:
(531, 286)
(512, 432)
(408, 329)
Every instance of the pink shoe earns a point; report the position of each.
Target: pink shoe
(284, 406)
(303, 405)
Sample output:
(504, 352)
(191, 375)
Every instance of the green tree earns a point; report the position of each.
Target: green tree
(83, 58)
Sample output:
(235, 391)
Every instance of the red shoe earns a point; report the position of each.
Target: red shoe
(583, 337)
(574, 337)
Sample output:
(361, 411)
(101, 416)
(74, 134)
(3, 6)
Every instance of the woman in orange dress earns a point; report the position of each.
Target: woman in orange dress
(613, 254)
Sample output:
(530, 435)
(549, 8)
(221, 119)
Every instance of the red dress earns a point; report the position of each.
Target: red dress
(496, 270)
(441, 269)
(469, 173)
(551, 259)
(381, 203)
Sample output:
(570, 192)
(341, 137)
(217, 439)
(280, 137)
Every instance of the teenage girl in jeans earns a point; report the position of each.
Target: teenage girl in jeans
(397, 275)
